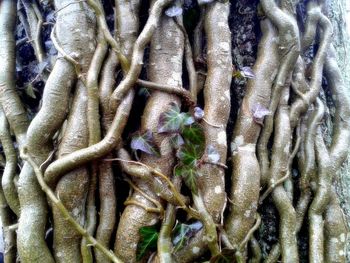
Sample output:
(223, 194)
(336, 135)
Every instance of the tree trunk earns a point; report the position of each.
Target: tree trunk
(175, 131)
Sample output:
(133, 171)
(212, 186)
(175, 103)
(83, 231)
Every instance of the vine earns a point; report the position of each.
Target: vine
(231, 156)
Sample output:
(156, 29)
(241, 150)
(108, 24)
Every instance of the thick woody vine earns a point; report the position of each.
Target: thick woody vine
(145, 103)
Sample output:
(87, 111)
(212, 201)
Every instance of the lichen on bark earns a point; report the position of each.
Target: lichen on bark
(174, 131)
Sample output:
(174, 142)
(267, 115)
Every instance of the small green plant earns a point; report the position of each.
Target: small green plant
(149, 237)
(187, 138)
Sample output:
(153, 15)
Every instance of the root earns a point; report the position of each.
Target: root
(75, 183)
(64, 211)
(243, 146)
(137, 56)
(101, 21)
(9, 234)
(159, 208)
(335, 231)
(320, 201)
(250, 233)
(193, 82)
(256, 251)
(107, 188)
(145, 172)
(35, 22)
(7, 182)
(211, 202)
(165, 244)
(94, 128)
(9, 99)
(96, 151)
(167, 88)
(164, 68)
(62, 207)
(289, 48)
(300, 105)
(39, 139)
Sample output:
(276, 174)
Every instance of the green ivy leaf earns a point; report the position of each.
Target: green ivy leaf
(194, 134)
(189, 154)
(173, 120)
(176, 140)
(144, 142)
(187, 119)
(189, 174)
(183, 233)
(149, 237)
(170, 121)
(190, 179)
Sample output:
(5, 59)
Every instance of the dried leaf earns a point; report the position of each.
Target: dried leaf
(51, 17)
(41, 67)
(50, 47)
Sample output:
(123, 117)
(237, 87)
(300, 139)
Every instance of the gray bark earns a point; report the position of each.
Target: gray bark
(340, 19)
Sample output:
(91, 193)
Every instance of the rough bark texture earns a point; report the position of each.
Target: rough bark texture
(175, 131)
(338, 11)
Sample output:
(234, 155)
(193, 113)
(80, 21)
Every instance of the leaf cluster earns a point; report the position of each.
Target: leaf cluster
(187, 138)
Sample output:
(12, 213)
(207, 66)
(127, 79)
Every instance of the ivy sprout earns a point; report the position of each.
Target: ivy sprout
(148, 240)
